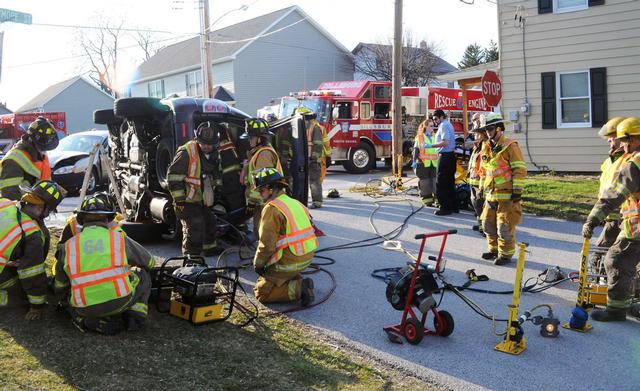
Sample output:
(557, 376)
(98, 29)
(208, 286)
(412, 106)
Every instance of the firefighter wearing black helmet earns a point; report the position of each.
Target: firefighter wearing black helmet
(25, 243)
(193, 176)
(287, 243)
(26, 163)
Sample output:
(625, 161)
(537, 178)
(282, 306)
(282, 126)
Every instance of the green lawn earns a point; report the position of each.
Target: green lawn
(272, 353)
(569, 197)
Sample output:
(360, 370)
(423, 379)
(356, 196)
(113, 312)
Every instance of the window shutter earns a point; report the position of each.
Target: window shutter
(549, 100)
(593, 3)
(599, 109)
(546, 6)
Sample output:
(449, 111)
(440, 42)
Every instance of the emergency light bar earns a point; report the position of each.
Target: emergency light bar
(326, 92)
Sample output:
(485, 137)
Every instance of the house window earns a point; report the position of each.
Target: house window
(365, 110)
(569, 5)
(194, 83)
(156, 89)
(573, 99)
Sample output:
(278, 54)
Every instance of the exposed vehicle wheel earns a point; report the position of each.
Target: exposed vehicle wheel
(92, 185)
(413, 331)
(139, 107)
(444, 330)
(361, 159)
(143, 232)
(104, 117)
(164, 157)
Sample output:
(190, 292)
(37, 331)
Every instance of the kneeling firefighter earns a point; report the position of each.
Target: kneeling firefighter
(94, 276)
(25, 244)
(287, 243)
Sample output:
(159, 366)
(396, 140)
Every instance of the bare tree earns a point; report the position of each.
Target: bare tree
(420, 63)
(101, 47)
(146, 42)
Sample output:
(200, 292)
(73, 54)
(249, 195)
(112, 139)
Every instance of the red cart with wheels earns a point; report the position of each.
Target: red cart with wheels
(419, 295)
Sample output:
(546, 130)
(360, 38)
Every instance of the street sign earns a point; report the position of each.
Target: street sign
(491, 88)
(14, 16)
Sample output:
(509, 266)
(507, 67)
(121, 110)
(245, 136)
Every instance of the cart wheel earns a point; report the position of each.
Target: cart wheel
(445, 329)
(413, 331)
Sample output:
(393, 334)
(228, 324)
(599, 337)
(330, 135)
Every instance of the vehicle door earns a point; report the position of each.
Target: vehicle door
(293, 129)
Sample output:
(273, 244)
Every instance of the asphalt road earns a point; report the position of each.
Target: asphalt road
(607, 358)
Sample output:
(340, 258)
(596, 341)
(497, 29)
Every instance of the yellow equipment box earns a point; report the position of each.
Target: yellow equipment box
(196, 315)
(598, 294)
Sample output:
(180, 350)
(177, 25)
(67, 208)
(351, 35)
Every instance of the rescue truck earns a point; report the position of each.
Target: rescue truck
(357, 116)
(12, 126)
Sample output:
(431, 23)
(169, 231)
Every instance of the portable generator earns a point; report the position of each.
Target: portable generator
(194, 291)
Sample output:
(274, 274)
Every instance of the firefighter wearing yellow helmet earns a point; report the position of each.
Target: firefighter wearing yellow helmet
(505, 170)
(318, 150)
(609, 170)
(623, 256)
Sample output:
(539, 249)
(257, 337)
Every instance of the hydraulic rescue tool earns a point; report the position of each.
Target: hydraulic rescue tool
(194, 291)
(579, 315)
(413, 286)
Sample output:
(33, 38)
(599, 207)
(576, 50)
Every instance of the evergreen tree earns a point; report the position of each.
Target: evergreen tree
(491, 53)
(473, 55)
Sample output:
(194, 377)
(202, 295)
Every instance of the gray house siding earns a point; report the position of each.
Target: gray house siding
(277, 64)
(78, 101)
(223, 75)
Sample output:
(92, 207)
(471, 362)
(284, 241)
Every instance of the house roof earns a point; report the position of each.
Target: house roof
(221, 93)
(469, 73)
(38, 101)
(4, 109)
(225, 43)
(440, 66)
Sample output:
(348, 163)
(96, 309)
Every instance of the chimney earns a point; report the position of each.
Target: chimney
(423, 44)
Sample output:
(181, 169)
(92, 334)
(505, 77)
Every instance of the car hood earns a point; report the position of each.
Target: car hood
(58, 156)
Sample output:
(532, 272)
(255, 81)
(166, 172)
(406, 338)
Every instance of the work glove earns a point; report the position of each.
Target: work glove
(414, 164)
(587, 229)
(259, 270)
(34, 313)
(250, 209)
(179, 207)
(516, 197)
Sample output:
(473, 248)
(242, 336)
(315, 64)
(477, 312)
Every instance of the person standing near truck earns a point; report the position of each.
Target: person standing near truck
(26, 163)
(445, 176)
(315, 153)
(425, 162)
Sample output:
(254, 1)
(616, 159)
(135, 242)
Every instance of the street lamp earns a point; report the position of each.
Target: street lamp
(205, 47)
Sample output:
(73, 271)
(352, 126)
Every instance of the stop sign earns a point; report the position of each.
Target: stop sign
(491, 88)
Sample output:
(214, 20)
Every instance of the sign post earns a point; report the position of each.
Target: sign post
(491, 88)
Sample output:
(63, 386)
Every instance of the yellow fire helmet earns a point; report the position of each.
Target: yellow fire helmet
(628, 127)
(609, 128)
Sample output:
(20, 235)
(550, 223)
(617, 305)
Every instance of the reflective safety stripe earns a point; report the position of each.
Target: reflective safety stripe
(24, 161)
(232, 168)
(31, 271)
(617, 303)
(59, 284)
(299, 235)
(139, 307)
(292, 288)
(251, 171)
(5, 203)
(207, 246)
(192, 179)
(293, 267)
(15, 234)
(428, 156)
(4, 298)
(294, 239)
(9, 182)
(9, 283)
(37, 300)
(175, 177)
(99, 276)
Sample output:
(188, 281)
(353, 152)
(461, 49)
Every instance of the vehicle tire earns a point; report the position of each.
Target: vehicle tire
(164, 157)
(413, 331)
(173, 232)
(94, 181)
(445, 329)
(361, 159)
(143, 232)
(104, 117)
(139, 107)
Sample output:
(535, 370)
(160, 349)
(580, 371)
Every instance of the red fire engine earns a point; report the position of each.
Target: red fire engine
(357, 116)
(12, 126)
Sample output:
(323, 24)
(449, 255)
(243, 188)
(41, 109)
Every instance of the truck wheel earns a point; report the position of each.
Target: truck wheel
(164, 157)
(104, 117)
(361, 159)
(139, 107)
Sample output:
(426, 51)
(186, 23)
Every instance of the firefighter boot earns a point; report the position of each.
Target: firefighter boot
(609, 315)
(502, 260)
(133, 321)
(306, 292)
(107, 325)
(634, 311)
(490, 255)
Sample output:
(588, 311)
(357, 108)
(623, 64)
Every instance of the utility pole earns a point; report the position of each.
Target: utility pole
(396, 97)
(205, 50)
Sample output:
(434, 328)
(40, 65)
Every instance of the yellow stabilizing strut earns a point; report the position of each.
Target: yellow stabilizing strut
(584, 288)
(514, 341)
(398, 174)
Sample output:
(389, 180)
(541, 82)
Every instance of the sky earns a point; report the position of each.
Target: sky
(39, 55)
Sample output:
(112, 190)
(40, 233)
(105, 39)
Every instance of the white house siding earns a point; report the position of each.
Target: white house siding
(79, 101)
(600, 36)
(295, 59)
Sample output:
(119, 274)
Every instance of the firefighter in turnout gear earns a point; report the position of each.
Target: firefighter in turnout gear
(26, 163)
(316, 154)
(261, 155)
(425, 162)
(24, 244)
(609, 169)
(505, 171)
(623, 256)
(287, 244)
(73, 227)
(476, 172)
(193, 176)
(95, 278)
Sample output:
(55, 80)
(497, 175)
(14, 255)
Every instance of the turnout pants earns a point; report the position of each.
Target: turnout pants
(621, 264)
(499, 220)
(198, 229)
(271, 288)
(11, 293)
(446, 181)
(609, 233)
(426, 181)
(315, 182)
(477, 202)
